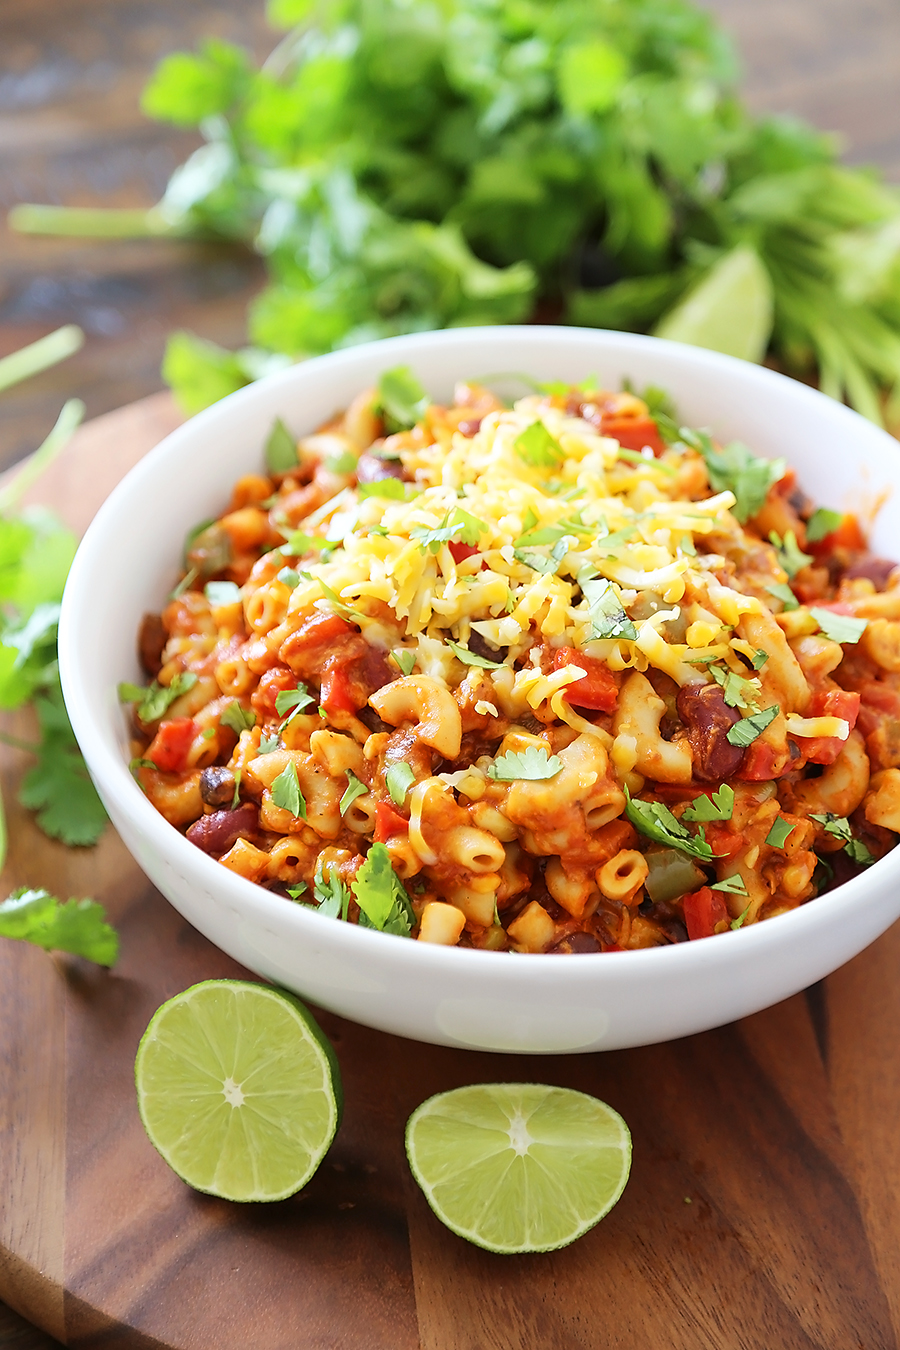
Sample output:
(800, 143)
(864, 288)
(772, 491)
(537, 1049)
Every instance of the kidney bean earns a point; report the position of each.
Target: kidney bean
(216, 785)
(372, 468)
(876, 570)
(708, 718)
(218, 832)
(469, 426)
(152, 638)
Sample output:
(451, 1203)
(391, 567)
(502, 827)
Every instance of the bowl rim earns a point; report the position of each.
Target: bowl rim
(113, 777)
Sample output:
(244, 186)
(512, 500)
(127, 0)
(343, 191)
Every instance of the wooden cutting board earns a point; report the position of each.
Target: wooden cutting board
(763, 1211)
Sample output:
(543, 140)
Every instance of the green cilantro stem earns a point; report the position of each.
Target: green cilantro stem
(40, 355)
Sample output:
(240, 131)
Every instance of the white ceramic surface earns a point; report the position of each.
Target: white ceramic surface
(494, 1001)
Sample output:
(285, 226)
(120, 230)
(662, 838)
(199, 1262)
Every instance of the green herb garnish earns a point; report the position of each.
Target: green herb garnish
(472, 658)
(534, 763)
(286, 792)
(152, 703)
(354, 789)
(839, 627)
(238, 718)
(745, 732)
(76, 926)
(715, 806)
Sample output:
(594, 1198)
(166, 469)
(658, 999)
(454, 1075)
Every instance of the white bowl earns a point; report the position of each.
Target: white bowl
(538, 1004)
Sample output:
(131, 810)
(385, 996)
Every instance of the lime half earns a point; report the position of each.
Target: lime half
(518, 1167)
(238, 1089)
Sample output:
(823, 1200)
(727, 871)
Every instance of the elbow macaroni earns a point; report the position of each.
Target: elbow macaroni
(519, 652)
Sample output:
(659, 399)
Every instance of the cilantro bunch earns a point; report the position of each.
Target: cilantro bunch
(36, 551)
(405, 166)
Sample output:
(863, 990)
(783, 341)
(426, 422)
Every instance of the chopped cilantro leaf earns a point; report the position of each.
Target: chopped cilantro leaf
(782, 591)
(457, 526)
(839, 627)
(715, 806)
(76, 926)
(387, 487)
(299, 544)
(398, 780)
(286, 792)
(345, 463)
(404, 659)
(222, 593)
(735, 469)
(207, 733)
(269, 743)
(401, 398)
(381, 896)
(236, 795)
(533, 763)
(538, 448)
(154, 701)
(346, 611)
(544, 563)
(472, 658)
(778, 834)
(743, 733)
(135, 765)
(838, 826)
(290, 577)
(657, 822)
(731, 886)
(647, 461)
(790, 555)
(759, 659)
(857, 851)
(331, 897)
(238, 718)
(290, 702)
(281, 449)
(354, 789)
(737, 691)
(607, 613)
(295, 892)
(821, 523)
(739, 921)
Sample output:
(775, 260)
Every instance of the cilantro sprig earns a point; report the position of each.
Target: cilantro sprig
(534, 764)
(657, 822)
(713, 806)
(381, 896)
(75, 926)
(458, 526)
(841, 628)
(154, 701)
(736, 469)
(745, 732)
(839, 828)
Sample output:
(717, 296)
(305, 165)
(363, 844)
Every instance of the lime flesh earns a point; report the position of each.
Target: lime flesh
(518, 1167)
(238, 1089)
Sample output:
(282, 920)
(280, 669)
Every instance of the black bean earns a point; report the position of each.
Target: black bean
(217, 785)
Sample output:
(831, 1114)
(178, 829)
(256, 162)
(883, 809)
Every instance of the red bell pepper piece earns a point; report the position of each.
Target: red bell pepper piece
(596, 690)
(703, 910)
(337, 692)
(169, 747)
(388, 822)
(830, 703)
(460, 552)
(633, 433)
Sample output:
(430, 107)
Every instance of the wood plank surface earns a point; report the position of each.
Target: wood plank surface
(788, 1160)
(749, 1223)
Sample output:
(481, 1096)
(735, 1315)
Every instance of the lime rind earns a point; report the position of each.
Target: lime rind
(518, 1167)
(239, 1089)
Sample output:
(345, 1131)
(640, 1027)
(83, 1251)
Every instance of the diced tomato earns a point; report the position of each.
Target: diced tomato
(841, 703)
(337, 692)
(459, 552)
(271, 684)
(830, 703)
(320, 628)
(724, 843)
(596, 690)
(388, 822)
(170, 745)
(880, 703)
(703, 910)
(762, 763)
(633, 432)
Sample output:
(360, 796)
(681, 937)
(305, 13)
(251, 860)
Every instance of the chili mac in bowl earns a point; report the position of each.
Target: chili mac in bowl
(584, 707)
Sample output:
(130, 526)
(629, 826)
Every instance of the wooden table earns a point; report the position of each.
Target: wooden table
(70, 131)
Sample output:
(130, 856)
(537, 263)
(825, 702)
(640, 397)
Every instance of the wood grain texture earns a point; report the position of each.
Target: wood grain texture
(739, 1230)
